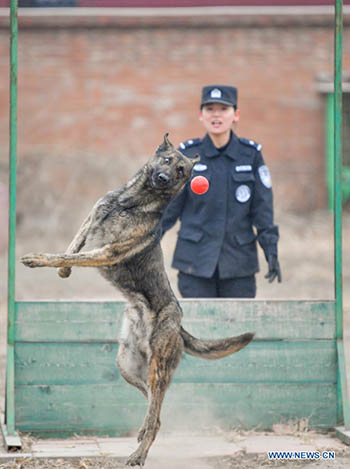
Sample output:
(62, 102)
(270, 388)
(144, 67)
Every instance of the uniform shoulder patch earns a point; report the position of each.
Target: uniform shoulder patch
(190, 143)
(251, 143)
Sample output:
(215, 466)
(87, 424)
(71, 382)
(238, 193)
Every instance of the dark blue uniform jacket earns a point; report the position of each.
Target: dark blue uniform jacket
(217, 227)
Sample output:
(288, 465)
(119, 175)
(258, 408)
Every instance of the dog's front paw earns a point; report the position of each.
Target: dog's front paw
(33, 260)
(64, 272)
(137, 458)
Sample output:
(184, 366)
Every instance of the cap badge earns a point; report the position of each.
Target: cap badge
(215, 93)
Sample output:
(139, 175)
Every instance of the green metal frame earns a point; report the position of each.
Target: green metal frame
(8, 428)
(67, 381)
(344, 400)
(338, 51)
(329, 126)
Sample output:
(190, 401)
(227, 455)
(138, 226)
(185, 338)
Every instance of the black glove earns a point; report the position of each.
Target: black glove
(274, 269)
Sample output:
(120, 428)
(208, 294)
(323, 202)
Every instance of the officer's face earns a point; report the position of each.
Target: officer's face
(218, 118)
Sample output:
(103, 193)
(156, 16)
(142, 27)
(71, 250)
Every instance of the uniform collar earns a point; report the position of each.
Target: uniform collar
(211, 151)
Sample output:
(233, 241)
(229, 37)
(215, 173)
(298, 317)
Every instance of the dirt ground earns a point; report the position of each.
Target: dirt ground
(241, 461)
(306, 257)
(247, 448)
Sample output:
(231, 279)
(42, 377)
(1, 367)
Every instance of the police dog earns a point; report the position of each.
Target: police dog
(121, 237)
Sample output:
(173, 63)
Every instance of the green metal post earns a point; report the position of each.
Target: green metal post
(342, 396)
(10, 370)
(330, 150)
(338, 45)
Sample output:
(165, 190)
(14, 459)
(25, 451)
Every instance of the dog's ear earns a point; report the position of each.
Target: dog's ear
(167, 141)
(195, 159)
(165, 145)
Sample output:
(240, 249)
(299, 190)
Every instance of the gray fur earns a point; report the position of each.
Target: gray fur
(122, 235)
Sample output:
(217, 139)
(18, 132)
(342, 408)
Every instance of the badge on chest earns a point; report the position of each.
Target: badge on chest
(243, 193)
(200, 167)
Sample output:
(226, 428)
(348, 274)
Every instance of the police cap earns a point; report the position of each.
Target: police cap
(219, 94)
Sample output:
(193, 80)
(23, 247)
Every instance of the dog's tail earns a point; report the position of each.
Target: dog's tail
(214, 349)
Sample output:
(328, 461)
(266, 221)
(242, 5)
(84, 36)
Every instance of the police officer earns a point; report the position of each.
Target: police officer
(216, 251)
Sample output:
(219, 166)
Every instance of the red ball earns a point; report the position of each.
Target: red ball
(199, 185)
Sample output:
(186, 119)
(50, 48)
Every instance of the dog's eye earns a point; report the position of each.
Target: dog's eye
(180, 170)
(167, 160)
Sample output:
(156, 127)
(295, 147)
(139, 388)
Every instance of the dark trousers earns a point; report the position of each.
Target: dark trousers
(215, 287)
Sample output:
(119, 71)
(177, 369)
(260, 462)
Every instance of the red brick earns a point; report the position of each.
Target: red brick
(112, 93)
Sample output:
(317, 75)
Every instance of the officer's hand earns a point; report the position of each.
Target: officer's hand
(274, 269)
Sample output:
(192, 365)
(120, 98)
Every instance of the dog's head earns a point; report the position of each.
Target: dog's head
(169, 168)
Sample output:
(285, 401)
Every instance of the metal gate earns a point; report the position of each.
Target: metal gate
(63, 380)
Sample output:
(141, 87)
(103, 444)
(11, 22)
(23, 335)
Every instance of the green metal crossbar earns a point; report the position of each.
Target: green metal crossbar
(343, 411)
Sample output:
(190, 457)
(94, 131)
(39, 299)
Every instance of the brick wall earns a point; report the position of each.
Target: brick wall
(94, 101)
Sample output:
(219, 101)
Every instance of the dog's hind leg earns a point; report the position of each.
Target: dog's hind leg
(131, 364)
(163, 363)
(134, 352)
(151, 424)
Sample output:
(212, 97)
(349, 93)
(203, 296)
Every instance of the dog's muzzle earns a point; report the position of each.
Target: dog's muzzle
(161, 179)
